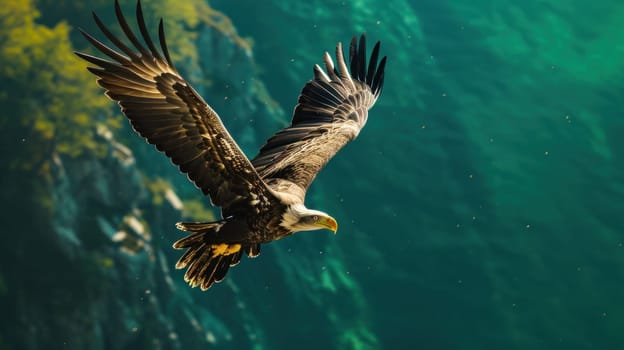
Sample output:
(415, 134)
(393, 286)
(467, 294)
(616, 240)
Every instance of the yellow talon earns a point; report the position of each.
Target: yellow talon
(234, 248)
(225, 249)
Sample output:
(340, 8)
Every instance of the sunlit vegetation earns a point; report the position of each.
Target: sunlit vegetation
(157, 188)
(195, 210)
(192, 209)
(194, 14)
(49, 102)
(68, 204)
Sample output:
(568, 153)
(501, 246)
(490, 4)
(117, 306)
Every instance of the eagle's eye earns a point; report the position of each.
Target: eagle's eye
(310, 219)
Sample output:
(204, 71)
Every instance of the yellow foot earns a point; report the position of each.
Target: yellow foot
(225, 249)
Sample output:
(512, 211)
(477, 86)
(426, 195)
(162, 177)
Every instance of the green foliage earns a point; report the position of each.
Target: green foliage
(191, 208)
(49, 100)
(193, 14)
(194, 209)
(157, 188)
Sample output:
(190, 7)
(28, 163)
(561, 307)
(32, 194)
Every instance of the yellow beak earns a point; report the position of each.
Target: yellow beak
(328, 223)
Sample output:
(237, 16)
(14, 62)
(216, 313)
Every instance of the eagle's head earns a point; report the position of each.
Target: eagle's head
(299, 218)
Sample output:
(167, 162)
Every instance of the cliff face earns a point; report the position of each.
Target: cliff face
(90, 258)
(86, 257)
(89, 275)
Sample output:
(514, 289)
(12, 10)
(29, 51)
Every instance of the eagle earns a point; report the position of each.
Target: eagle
(261, 199)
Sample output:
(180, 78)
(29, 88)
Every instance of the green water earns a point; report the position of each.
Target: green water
(480, 208)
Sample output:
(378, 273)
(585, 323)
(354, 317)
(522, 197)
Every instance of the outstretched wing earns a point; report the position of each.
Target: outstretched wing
(331, 111)
(170, 114)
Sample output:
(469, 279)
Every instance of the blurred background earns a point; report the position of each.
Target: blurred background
(480, 208)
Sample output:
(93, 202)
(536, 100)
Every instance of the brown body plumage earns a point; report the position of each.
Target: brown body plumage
(263, 199)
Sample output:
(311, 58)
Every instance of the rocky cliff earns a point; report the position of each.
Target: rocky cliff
(86, 257)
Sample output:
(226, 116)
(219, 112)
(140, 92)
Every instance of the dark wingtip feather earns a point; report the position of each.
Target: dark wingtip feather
(377, 83)
(357, 57)
(120, 45)
(128, 31)
(163, 43)
(353, 61)
(144, 32)
(362, 57)
(373, 74)
(94, 60)
(103, 48)
(372, 64)
(81, 31)
(99, 22)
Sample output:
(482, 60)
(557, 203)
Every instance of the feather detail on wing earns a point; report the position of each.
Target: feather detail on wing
(168, 112)
(332, 109)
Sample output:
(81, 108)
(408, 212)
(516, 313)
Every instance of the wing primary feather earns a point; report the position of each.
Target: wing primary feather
(114, 39)
(329, 65)
(104, 49)
(126, 29)
(372, 64)
(353, 62)
(163, 44)
(319, 74)
(361, 52)
(342, 66)
(379, 77)
(106, 64)
(95, 60)
(145, 33)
